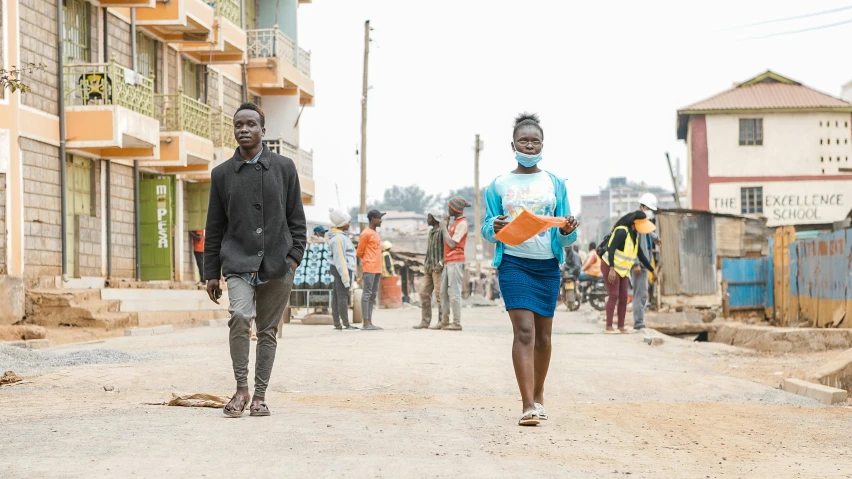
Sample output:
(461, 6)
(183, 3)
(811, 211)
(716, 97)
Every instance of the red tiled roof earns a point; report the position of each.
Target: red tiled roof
(768, 93)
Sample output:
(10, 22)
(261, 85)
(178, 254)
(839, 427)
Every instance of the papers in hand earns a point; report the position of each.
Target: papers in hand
(525, 226)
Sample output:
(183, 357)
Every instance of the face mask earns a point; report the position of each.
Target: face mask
(649, 214)
(527, 161)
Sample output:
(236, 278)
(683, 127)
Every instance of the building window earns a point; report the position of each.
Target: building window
(751, 200)
(751, 131)
(192, 79)
(76, 30)
(79, 186)
(146, 55)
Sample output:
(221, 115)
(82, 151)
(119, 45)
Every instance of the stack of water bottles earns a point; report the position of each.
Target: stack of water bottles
(314, 272)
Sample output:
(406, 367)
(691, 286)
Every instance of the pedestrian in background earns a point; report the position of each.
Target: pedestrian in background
(455, 239)
(591, 269)
(433, 268)
(370, 252)
(318, 236)
(529, 273)
(621, 253)
(342, 261)
(388, 268)
(255, 237)
(198, 251)
(639, 274)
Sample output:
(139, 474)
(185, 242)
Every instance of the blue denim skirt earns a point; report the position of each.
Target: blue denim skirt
(531, 284)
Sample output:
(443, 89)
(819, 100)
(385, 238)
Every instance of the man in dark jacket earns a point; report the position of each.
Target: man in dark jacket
(256, 236)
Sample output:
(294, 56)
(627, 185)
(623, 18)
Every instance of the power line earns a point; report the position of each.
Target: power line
(792, 32)
(786, 19)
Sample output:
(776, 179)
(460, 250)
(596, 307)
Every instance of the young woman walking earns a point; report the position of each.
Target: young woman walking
(620, 255)
(529, 273)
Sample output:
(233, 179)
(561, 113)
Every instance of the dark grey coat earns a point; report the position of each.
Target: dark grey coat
(255, 219)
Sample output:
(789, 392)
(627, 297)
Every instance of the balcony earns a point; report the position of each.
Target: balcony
(109, 111)
(277, 66)
(224, 144)
(227, 43)
(186, 140)
(304, 165)
(178, 21)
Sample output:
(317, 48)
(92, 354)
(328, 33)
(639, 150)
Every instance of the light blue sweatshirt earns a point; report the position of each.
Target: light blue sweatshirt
(494, 208)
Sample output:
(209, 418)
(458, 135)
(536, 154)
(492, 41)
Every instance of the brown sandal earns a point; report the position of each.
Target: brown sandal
(260, 410)
(231, 411)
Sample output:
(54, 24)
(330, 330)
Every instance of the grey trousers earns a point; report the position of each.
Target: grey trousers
(371, 293)
(264, 305)
(451, 292)
(640, 297)
(339, 299)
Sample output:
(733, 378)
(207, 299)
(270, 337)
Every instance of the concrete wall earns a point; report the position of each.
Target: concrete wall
(123, 231)
(38, 44)
(13, 305)
(791, 145)
(789, 202)
(119, 41)
(286, 19)
(42, 210)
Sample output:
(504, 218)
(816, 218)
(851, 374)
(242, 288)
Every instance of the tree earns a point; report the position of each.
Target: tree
(11, 79)
(407, 198)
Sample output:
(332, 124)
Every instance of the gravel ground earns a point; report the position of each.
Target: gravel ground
(36, 362)
(406, 403)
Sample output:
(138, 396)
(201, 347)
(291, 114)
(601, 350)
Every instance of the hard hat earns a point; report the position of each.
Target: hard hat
(386, 245)
(649, 200)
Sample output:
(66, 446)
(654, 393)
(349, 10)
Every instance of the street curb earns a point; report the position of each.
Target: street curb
(824, 394)
(28, 344)
(165, 329)
(215, 322)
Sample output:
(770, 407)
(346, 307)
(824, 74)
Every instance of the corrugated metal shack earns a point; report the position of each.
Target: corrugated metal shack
(693, 246)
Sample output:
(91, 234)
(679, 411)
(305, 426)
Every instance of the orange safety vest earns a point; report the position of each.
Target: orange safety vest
(595, 266)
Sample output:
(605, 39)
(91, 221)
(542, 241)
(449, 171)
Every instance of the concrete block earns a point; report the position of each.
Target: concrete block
(139, 332)
(318, 320)
(14, 301)
(824, 394)
(164, 329)
(783, 340)
(836, 373)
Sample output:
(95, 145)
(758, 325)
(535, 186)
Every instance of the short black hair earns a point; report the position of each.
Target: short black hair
(251, 106)
(592, 246)
(527, 119)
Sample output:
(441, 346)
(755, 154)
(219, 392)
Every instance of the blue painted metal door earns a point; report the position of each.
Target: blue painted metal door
(748, 283)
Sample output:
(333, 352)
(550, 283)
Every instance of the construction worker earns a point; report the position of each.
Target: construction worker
(620, 254)
(388, 269)
(639, 274)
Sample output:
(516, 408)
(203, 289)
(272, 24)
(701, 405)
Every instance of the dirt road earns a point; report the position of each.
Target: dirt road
(406, 403)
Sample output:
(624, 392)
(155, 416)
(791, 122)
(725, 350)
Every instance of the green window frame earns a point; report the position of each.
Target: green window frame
(80, 179)
(75, 34)
(146, 55)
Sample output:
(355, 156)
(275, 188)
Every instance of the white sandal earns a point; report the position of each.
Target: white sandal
(530, 418)
(542, 414)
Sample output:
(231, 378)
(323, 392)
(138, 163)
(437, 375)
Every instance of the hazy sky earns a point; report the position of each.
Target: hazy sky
(605, 77)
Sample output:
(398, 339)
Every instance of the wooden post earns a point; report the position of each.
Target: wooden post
(364, 89)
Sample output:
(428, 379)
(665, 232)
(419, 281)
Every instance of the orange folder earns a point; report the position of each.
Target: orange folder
(527, 225)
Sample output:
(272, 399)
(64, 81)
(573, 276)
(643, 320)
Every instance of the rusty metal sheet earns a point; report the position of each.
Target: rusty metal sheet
(821, 278)
(697, 251)
(669, 230)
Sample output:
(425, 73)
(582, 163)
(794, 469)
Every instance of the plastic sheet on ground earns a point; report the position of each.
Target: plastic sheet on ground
(195, 400)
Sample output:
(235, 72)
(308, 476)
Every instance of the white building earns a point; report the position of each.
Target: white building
(770, 147)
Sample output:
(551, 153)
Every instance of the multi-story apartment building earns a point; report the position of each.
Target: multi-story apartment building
(770, 147)
(599, 212)
(127, 125)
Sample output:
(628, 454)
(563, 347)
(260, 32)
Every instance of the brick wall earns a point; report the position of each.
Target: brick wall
(94, 25)
(42, 209)
(2, 223)
(88, 246)
(233, 97)
(160, 78)
(172, 71)
(213, 88)
(119, 42)
(123, 232)
(38, 44)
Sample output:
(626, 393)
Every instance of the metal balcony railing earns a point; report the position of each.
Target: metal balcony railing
(91, 84)
(178, 112)
(271, 42)
(222, 127)
(304, 160)
(229, 9)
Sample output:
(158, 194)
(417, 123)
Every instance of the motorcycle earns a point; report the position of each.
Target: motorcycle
(568, 292)
(595, 293)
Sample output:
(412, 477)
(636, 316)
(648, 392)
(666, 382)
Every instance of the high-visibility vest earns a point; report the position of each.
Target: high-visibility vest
(595, 266)
(386, 259)
(624, 258)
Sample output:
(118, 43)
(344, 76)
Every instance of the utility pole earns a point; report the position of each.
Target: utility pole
(476, 206)
(674, 181)
(364, 90)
